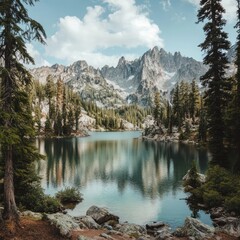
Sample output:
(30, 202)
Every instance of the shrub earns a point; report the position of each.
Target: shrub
(213, 198)
(52, 204)
(35, 200)
(69, 195)
(233, 204)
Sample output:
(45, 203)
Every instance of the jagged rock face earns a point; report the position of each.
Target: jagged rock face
(156, 70)
(130, 81)
(84, 79)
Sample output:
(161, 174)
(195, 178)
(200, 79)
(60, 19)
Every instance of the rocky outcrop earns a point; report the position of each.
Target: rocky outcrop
(64, 223)
(159, 230)
(225, 222)
(201, 177)
(101, 215)
(160, 134)
(131, 229)
(33, 215)
(78, 227)
(87, 222)
(193, 228)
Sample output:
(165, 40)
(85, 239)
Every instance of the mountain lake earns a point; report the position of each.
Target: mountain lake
(140, 181)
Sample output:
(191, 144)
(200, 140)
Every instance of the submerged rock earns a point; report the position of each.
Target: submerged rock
(194, 228)
(101, 215)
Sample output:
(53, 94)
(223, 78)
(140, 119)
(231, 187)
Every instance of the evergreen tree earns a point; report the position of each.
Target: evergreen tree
(177, 107)
(157, 109)
(50, 91)
(193, 100)
(215, 46)
(16, 27)
(237, 95)
(202, 128)
(77, 111)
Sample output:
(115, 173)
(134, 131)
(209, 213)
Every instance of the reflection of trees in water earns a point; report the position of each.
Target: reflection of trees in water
(150, 167)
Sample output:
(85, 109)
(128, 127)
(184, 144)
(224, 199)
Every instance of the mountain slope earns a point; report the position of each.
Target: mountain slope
(156, 70)
(130, 81)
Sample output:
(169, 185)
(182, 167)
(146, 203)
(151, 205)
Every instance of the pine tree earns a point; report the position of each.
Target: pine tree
(194, 100)
(215, 46)
(50, 91)
(177, 107)
(16, 27)
(157, 109)
(237, 95)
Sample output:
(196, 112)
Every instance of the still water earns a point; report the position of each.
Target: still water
(140, 181)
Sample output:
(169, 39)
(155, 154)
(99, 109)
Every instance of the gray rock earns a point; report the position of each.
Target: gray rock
(131, 229)
(201, 177)
(101, 215)
(80, 237)
(88, 221)
(229, 225)
(194, 228)
(34, 215)
(63, 222)
(114, 232)
(159, 229)
(163, 233)
(104, 235)
(217, 212)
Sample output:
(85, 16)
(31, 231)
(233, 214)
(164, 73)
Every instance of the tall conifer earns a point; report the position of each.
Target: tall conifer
(237, 96)
(215, 46)
(16, 27)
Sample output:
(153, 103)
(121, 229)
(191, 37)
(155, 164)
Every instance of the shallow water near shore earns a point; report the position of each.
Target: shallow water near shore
(140, 181)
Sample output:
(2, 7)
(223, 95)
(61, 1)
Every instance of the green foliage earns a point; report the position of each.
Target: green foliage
(215, 46)
(69, 195)
(233, 203)
(193, 177)
(221, 189)
(212, 198)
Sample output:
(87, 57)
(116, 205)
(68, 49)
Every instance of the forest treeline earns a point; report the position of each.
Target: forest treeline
(63, 106)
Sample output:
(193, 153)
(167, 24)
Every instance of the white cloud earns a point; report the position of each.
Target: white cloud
(39, 61)
(229, 5)
(121, 24)
(166, 4)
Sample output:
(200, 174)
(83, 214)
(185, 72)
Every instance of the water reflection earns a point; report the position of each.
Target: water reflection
(147, 169)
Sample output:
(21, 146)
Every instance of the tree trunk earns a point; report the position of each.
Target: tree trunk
(10, 214)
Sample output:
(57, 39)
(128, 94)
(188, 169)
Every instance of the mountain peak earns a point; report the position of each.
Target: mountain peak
(122, 61)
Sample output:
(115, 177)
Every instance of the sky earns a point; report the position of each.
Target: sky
(101, 31)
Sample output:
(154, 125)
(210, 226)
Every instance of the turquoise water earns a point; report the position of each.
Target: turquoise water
(137, 180)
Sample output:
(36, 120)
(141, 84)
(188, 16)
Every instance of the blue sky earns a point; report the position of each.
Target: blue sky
(101, 31)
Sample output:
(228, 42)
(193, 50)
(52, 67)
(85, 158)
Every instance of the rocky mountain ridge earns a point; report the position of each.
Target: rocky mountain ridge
(130, 81)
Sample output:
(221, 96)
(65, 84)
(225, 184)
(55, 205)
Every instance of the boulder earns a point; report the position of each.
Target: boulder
(163, 233)
(63, 222)
(195, 229)
(159, 229)
(101, 215)
(133, 230)
(88, 222)
(229, 225)
(33, 215)
(106, 236)
(81, 237)
(217, 212)
(201, 177)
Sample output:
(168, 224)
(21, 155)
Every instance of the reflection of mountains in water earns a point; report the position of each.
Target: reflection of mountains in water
(153, 168)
